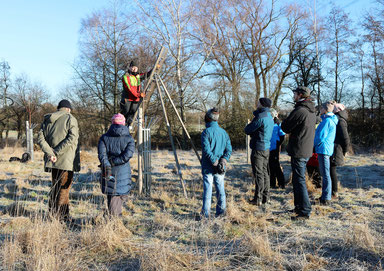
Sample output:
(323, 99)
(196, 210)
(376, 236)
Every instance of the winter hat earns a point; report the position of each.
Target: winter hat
(64, 103)
(304, 91)
(265, 102)
(133, 63)
(273, 113)
(338, 108)
(328, 106)
(118, 119)
(212, 115)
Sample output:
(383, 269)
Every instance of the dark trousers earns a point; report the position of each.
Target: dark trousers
(334, 179)
(115, 204)
(58, 203)
(259, 161)
(128, 109)
(300, 192)
(275, 170)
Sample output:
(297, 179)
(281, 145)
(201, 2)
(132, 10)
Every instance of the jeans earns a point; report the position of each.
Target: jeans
(218, 180)
(259, 161)
(300, 192)
(324, 167)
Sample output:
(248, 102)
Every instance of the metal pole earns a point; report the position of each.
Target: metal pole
(178, 116)
(140, 149)
(171, 139)
(31, 143)
(27, 134)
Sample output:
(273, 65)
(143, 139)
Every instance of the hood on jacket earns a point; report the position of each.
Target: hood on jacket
(343, 114)
(52, 117)
(117, 130)
(261, 110)
(308, 104)
(330, 116)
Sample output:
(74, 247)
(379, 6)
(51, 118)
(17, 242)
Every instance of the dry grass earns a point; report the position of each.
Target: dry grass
(260, 246)
(360, 235)
(160, 233)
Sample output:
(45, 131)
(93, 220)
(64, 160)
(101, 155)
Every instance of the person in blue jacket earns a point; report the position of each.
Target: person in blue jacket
(260, 130)
(324, 144)
(275, 171)
(115, 149)
(216, 151)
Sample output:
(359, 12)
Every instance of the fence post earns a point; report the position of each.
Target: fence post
(140, 149)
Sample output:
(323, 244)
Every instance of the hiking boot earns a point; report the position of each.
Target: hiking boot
(322, 202)
(293, 211)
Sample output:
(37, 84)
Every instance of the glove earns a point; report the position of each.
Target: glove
(107, 172)
(222, 166)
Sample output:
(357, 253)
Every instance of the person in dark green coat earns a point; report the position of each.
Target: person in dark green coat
(59, 140)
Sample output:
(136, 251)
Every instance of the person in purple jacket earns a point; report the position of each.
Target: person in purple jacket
(324, 144)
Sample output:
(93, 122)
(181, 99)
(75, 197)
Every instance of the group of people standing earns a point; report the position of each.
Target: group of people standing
(59, 140)
(330, 141)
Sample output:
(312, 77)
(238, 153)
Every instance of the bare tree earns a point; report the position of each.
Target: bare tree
(5, 83)
(172, 23)
(267, 36)
(104, 41)
(28, 97)
(339, 48)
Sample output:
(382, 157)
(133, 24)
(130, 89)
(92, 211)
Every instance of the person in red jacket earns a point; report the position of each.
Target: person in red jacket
(132, 94)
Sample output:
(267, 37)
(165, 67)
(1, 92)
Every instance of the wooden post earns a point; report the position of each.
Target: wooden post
(140, 149)
(171, 139)
(29, 138)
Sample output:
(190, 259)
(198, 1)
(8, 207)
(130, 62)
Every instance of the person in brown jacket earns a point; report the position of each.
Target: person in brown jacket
(59, 139)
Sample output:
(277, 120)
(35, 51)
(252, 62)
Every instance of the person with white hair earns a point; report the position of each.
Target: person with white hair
(342, 143)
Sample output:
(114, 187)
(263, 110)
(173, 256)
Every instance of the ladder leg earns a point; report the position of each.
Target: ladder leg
(178, 116)
(171, 139)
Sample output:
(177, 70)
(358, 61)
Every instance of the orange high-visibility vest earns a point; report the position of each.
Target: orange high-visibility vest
(131, 84)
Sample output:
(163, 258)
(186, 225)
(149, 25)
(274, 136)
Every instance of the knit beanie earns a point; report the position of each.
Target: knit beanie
(338, 108)
(212, 115)
(133, 63)
(118, 119)
(64, 103)
(265, 102)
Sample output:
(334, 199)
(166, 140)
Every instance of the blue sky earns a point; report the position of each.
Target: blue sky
(40, 37)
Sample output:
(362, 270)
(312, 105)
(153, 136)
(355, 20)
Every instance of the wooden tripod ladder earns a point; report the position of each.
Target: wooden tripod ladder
(153, 82)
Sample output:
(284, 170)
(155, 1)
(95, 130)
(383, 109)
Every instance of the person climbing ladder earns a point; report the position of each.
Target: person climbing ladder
(132, 96)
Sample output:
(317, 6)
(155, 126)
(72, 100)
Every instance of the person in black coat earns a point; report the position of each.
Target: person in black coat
(115, 149)
(342, 143)
(300, 125)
